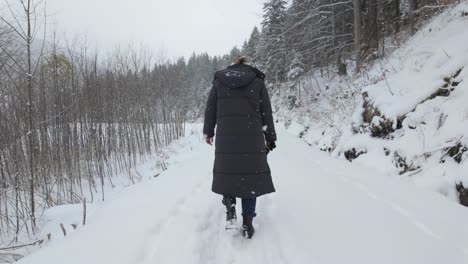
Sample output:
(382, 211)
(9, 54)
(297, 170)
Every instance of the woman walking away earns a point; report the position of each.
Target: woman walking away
(239, 107)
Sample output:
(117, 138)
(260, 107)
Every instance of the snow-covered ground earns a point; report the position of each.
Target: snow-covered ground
(58, 222)
(325, 211)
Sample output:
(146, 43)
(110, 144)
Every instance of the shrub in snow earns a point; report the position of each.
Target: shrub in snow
(292, 102)
(387, 151)
(378, 124)
(402, 164)
(301, 135)
(353, 154)
(456, 152)
(450, 83)
(462, 194)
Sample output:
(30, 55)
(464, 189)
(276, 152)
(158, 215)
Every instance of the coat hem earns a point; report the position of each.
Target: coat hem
(243, 196)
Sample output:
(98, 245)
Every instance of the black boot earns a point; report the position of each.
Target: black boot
(230, 204)
(247, 228)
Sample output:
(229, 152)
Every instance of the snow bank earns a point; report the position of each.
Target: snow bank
(417, 70)
(60, 223)
(64, 218)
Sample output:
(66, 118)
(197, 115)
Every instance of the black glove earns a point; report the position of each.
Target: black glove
(270, 146)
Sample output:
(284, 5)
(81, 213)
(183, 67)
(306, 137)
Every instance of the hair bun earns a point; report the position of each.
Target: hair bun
(241, 60)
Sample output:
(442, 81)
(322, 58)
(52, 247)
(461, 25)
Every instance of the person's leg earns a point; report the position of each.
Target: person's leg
(249, 206)
(230, 203)
(248, 213)
(229, 200)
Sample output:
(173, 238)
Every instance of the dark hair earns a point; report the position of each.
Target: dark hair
(241, 60)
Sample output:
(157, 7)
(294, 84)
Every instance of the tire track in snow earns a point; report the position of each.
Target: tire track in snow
(181, 206)
(270, 225)
(403, 212)
(397, 208)
(215, 240)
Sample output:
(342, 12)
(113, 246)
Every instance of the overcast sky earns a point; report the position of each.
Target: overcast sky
(180, 26)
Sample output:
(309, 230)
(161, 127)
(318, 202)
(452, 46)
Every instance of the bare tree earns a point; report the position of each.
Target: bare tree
(26, 25)
(72, 117)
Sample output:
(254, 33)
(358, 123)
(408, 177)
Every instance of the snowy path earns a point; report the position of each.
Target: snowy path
(324, 211)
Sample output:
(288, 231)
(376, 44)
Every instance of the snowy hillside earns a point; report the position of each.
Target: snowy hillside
(416, 110)
(325, 211)
(412, 117)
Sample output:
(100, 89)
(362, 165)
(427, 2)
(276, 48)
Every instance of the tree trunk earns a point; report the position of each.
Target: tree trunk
(30, 119)
(358, 34)
(395, 14)
(372, 27)
(413, 5)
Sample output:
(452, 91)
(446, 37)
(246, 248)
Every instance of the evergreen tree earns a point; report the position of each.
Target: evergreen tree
(296, 71)
(250, 47)
(296, 68)
(273, 43)
(321, 30)
(298, 24)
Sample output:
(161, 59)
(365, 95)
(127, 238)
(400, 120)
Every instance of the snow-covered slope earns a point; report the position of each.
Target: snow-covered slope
(418, 69)
(413, 118)
(416, 113)
(325, 211)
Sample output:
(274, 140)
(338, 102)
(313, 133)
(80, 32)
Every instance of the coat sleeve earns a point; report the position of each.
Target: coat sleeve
(210, 114)
(267, 115)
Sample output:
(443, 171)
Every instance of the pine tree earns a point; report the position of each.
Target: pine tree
(296, 71)
(296, 67)
(273, 42)
(321, 30)
(250, 47)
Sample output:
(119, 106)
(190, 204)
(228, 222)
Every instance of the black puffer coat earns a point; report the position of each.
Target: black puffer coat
(239, 107)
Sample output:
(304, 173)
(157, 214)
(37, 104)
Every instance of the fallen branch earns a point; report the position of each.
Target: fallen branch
(38, 242)
(431, 7)
(415, 172)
